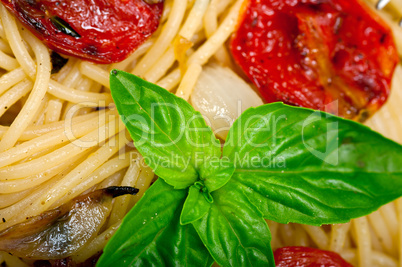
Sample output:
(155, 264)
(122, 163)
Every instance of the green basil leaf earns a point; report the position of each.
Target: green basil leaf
(304, 166)
(195, 206)
(234, 231)
(216, 173)
(172, 137)
(151, 234)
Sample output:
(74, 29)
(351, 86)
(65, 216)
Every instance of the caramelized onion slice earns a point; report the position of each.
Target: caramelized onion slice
(221, 96)
(58, 233)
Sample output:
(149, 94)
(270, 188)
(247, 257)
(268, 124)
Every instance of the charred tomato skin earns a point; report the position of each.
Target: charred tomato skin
(337, 56)
(101, 31)
(308, 257)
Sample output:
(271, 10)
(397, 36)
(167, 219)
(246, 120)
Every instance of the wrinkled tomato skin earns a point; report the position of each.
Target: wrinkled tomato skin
(308, 257)
(108, 30)
(329, 55)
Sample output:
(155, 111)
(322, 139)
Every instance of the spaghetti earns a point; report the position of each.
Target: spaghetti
(60, 135)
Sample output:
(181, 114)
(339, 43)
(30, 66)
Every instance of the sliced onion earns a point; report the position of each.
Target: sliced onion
(221, 96)
(58, 233)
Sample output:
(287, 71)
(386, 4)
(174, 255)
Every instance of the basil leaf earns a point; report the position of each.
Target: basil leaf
(172, 137)
(216, 173)
(304, 166)
(234, 231)
(195, 206)
(151, 234)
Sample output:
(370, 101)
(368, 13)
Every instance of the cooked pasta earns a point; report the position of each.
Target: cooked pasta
(60, 135)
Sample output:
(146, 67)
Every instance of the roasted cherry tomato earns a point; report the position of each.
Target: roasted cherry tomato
(308, 257)
(334, 55)
(102, 31)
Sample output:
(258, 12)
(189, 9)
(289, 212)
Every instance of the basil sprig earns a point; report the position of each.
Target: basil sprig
(279, 162)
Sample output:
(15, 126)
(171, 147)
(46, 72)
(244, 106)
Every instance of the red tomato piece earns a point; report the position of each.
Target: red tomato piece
(329, 55)
(308, 257)
(102, 31)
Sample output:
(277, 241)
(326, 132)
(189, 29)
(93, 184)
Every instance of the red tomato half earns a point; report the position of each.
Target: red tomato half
(313, 52)
(102, 31)
(308, 257)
